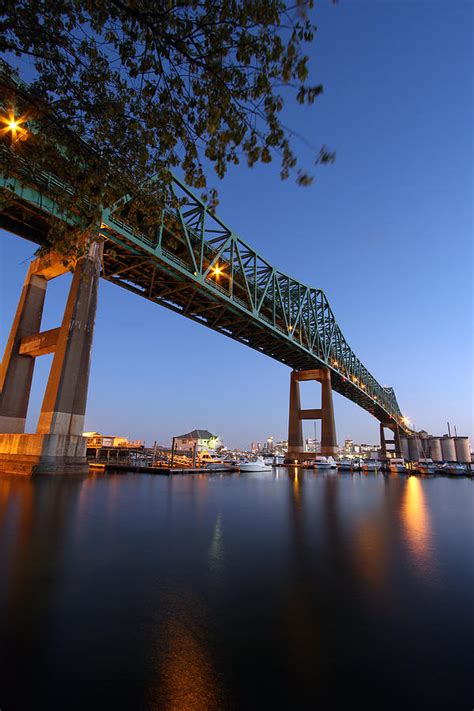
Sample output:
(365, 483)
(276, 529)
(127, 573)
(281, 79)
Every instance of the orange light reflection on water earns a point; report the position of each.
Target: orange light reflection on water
(416, 522)
(371, 553)
(186, 679)
(296, 485)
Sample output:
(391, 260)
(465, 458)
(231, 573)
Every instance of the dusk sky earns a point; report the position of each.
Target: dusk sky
(386, 232)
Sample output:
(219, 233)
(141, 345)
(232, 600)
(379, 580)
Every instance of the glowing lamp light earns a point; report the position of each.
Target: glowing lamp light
(217, 271)
(14, 126)
(290, 328)
(335, 363)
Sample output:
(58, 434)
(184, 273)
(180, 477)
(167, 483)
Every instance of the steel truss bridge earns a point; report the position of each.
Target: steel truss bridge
(197, 266)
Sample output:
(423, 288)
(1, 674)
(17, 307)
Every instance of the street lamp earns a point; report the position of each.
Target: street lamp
(13, 125)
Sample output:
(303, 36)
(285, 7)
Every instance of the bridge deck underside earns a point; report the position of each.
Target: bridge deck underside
(161, 283)
(163, 273)
(183, 256)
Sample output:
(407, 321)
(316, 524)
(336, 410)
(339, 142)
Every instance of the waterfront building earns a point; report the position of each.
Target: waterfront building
(201, 439)
(281, 447)
(312, 445)
(100, 447)
(95, 440)
(348, 447)
(370, 451)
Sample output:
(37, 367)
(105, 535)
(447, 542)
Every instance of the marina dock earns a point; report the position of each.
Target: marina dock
(116, 467)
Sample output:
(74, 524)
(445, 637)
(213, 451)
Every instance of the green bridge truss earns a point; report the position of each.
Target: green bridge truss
(197, 266)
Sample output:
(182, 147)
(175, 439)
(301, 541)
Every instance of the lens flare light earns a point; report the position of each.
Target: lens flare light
(13, 125)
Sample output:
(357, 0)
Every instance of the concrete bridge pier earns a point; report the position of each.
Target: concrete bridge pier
(16, 371)
(58, 446)
(396, 441)
(296, 415)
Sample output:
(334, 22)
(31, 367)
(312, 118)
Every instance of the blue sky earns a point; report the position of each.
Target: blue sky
(386, 232)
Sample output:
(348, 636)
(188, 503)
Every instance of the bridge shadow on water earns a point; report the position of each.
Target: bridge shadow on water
(292, 590)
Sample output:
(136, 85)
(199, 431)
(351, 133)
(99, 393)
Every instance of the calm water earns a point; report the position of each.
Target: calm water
(236, 592)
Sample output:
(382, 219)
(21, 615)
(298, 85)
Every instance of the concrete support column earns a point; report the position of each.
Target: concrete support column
(404, 448)
(295, 427)
(396, 441)
(58, 447)
(414, 449)
(16, 371)
(65, 398)
(325, 413)
(383, 443)
(328, 425)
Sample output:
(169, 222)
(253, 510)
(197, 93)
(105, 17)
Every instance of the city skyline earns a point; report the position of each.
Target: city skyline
(387, 251)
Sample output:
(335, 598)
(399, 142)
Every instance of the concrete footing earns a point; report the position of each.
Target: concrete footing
(28, 454)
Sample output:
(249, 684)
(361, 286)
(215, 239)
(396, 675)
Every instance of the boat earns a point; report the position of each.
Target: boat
(231, 463)
(254, 465)
(452, 468)
(397, 465)
(371, 465)
(321, 463)
(344, 465)
(425, 466)
(210, 460)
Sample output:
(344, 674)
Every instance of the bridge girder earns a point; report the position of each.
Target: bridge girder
(194, 264)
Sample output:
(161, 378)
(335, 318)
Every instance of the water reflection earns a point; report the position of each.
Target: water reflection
(233, 592)
(320, 566)
(375, 533)
(293, 474)
(185, 678)
(216, 550)
(33, 520)
(417, 525)
(371, 554)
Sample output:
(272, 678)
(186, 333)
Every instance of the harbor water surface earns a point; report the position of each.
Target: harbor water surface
(289, 589)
